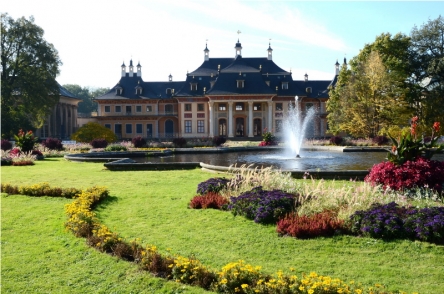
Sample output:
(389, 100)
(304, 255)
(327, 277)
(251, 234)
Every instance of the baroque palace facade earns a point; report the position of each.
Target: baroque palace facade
(231, 97)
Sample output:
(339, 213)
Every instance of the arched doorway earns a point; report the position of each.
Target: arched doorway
(169, 128)
(222, 127)
(240, 127)
(257, 127)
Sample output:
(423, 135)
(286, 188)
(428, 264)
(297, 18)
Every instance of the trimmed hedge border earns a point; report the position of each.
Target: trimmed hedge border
(234, 277)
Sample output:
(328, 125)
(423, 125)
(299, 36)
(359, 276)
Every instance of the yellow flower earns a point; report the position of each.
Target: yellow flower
(244, 286)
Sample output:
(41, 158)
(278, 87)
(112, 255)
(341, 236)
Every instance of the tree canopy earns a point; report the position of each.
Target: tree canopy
(29, 68)
(86, 94)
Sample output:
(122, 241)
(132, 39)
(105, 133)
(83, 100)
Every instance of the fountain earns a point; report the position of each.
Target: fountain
(294, 126)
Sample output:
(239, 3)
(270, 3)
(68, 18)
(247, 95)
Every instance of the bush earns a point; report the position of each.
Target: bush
(263, 206)
(115, 147)
(212, 185)
(425, 224)
(324, 224)
(219, 140)
(380, 221)
(336, 140)
(380, 140)
(99, 143)
(139, 142)
(191, 271)
(179, 142)
(6, 145)
(53, 144)
(25, 140)
(410, 174)
(91, 131)
(208, 200)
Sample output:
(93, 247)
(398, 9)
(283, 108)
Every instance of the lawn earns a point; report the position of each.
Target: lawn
(39, 256)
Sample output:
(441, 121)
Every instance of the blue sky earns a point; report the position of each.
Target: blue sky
(94, 37)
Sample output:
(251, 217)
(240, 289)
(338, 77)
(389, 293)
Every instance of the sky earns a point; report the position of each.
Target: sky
(94, 37)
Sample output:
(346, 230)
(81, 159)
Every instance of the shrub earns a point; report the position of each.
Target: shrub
(179, 142)
(139, 142)
(425, 224)
(91, 131)
(115, 147)
(380, 221)
(212, 185)
(262, 206)
(267, 139)
(6, 145)
(237, 276)
(411, 174)
(380, 140)
(323, 224)
(155, 263)
(336, 140)
(25, 140)
(219, 140)
(53, 144)
(208, 200)
(191, 271)
(99, 143)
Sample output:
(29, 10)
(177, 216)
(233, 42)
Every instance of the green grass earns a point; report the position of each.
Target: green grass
(38, 256)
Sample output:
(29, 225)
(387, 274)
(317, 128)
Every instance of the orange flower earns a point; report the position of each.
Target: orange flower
(394, 148)
(436, 126)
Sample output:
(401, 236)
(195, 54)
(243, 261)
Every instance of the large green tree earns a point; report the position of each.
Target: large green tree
(428, 71)
(30, 65)
(86, 94)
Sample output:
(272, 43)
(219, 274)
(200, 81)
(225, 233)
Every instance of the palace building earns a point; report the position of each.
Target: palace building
(231, 97)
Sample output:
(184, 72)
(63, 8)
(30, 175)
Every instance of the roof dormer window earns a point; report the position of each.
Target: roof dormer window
(284, 85)
(240, 84)
(193, 86)
(119, 90)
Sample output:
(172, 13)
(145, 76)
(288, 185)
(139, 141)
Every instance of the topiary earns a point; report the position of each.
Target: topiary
(91, 131)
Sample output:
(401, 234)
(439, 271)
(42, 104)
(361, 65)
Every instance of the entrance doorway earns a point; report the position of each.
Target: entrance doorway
(240, 127)
(223, 127)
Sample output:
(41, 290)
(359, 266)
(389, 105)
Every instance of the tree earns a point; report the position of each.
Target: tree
(86, 94)
(91, 131)
(428, 71)
(367, 98)
(30, 64)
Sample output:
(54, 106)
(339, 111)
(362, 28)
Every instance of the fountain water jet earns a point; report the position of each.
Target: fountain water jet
(295, 125)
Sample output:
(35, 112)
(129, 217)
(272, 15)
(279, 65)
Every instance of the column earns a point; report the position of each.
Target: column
(270, 116)
(230, 119)
(250, 119)
(75, 118)
(65, 110)
(210, 107)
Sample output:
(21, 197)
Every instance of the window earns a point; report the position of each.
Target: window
(108, 126)
(222, 107)
(278, 124)
(138, 108)
(200, 126)
(107, 108)
(187, 107)
(128, 109)
(239, 106)
(200, 107)
(138, 128)
(149, 108)
(193, 87)
(188, 126)
(257, 106)
(129, 128)
(118, 108)
(285, 86)
(240, 84)
(278, 106)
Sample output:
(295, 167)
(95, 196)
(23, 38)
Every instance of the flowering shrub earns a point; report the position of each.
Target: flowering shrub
(212, 185)
(154, 262)
(115, 147)
(209, 200)
(425, 224)
(191, 271)
(267, 139)
(99, 143)
(238, 277)
(411, 174)
(410, 147)
(180, 142)
(262, 206)
(380, 221)
(323, 224)
(25, 140)
(53, 144)
(336, 140)
(380, 140)
(6, 145)
(219, 140)
(41, 189)
(15, 152)
(138, 142)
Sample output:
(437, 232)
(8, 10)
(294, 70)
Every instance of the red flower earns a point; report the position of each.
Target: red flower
(414, 119)
(394, 148)
(436, 126)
